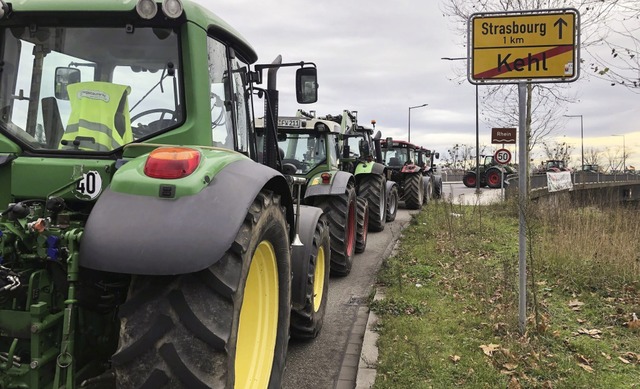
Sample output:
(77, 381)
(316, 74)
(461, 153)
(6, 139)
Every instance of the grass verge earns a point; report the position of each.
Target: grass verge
(450, 313)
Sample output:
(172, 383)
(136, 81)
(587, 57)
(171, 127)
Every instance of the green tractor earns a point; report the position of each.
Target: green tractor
(308, 147)
(361, 155)
(407, 169)
(491, 174)
(427, 159)
(145, 240)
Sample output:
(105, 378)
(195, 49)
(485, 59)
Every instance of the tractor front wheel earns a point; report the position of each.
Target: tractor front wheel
(494, 178)
(363, 225)
(307, 322)
(225, 326)
(392, 204)
(341, 212)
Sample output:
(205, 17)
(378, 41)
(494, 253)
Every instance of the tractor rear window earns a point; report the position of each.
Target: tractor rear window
(88, 89)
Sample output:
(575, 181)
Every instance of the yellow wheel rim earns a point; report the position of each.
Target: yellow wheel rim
(318, 279)
(258, 327)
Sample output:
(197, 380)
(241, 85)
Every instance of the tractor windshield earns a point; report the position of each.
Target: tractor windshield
(72, 89)
(303, 150)
(399, 156)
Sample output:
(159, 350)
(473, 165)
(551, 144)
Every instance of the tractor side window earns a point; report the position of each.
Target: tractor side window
(241, 94)
(221, 121)
(333, 151)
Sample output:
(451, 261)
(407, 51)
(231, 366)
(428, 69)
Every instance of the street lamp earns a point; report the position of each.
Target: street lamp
(477, 127)
(581, 137)
(409, 126)
(624, 154)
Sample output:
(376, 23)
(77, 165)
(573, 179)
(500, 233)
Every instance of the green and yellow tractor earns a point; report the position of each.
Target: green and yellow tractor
(361, 155)
(145, 239)
(309, 151)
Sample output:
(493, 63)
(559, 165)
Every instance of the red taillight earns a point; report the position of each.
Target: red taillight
(326, 178)
(171, 162)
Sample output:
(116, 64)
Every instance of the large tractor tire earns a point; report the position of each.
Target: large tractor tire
(437, 188)
(223, 327)
(392, 204)
(413, 191)
(363, 224)
(469, 180)
(373, 188)
(494, 178)
(341, 212)
(428, 189)
(307, 322)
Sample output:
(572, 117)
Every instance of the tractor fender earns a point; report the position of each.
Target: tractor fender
(136, 234)
(369, 168)
(389, 186)
(338, 185)
(309, 217)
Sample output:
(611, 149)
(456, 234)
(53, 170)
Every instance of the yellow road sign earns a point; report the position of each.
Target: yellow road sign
(524, 46)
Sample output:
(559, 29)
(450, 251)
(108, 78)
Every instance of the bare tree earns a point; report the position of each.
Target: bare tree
(557, 151)
(614, 158)
(621, 65)
(593, 156)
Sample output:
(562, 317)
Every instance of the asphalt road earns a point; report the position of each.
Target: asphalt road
(316, 363)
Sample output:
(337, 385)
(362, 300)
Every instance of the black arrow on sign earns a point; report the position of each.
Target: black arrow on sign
(559, 23)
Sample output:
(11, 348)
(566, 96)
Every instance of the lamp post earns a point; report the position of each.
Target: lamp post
(624, 153)
(581, 137)
(477, 127)
(409, 124)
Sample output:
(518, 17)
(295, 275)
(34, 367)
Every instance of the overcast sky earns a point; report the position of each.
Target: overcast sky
(379, 58)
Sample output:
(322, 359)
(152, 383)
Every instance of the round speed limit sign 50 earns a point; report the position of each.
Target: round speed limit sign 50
(502, 156)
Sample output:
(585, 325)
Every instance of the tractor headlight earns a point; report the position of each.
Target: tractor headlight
(147, 9)
(172, 8)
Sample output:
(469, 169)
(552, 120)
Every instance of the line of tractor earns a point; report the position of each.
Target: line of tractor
(153, 232)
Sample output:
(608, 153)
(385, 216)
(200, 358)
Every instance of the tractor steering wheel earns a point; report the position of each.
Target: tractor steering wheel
(142, 130)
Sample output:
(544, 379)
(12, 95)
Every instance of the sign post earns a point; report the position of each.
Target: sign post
(540, 46)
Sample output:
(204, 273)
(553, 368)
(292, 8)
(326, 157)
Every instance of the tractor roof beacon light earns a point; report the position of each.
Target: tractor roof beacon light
(172, 8)
(147, 9)
(171, 162)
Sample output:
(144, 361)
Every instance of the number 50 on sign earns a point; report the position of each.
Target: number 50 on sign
(502, 156)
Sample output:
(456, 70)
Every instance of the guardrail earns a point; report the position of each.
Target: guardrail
(539, 181)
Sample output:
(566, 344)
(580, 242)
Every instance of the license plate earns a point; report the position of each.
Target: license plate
(288, 122)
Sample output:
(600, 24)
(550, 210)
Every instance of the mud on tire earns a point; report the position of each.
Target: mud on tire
(182, 331)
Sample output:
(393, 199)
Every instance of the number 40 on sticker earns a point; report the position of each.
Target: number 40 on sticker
(90, 186)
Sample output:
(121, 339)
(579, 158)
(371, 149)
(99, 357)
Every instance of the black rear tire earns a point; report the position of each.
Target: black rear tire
(469, 180)
(413, 191)
(341, 213)
(392, 204)
(307, 322)
(373, 187)
(183, 331)
(363, 225)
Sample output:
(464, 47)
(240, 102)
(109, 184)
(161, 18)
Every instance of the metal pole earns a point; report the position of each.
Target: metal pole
(582, 141)
(523, 171)
(409, 127)
(624, 156)
(477, 145)
(409, 124)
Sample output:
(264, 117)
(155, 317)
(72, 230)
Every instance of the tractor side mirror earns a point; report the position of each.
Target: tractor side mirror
(389, 143)
(437, 155)
(378, 135)
(365, 151)
(64, 77)
(346, 150)
(307, 85)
